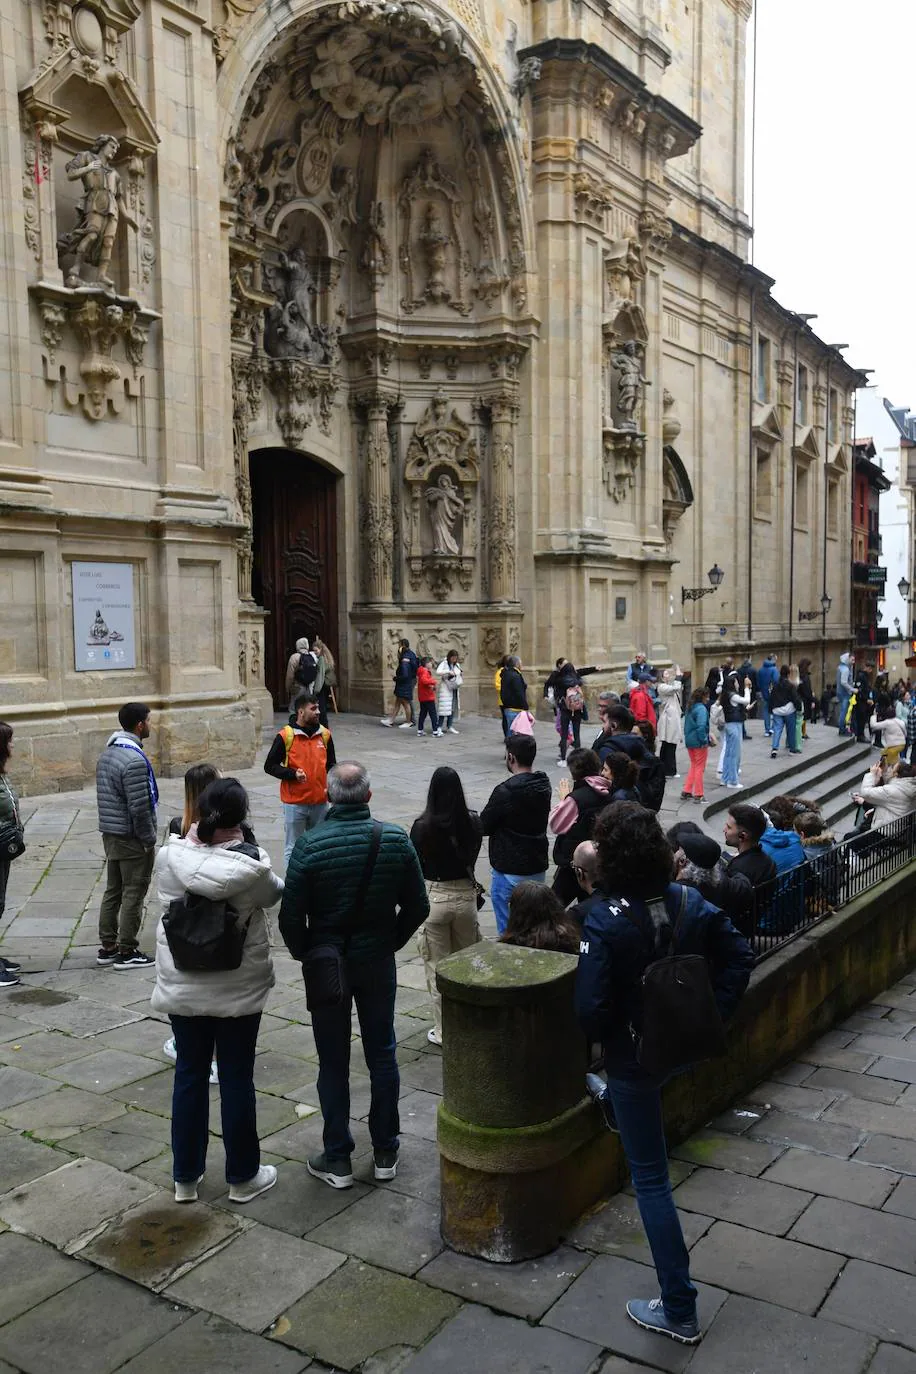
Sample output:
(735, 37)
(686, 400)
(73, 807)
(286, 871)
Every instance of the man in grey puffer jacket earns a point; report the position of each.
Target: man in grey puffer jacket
(127, 797)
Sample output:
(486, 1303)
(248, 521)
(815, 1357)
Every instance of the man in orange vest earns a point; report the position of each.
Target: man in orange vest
(300, 757)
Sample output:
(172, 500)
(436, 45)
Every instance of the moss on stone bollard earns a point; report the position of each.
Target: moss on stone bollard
(522, 1150)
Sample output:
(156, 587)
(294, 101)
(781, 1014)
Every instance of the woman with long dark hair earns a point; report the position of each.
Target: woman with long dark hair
(9, 815)
(643, 915)
(582, 796)
(222, 1008)
(539, 920)
(447, 838)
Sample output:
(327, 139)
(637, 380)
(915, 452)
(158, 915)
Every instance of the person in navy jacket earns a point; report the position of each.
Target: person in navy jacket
(621, 935)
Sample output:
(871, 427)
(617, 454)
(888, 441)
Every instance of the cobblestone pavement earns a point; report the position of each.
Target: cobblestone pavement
(799, 1205)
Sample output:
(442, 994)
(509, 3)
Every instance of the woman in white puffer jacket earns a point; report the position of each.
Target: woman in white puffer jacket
(220, 1009)
(450, 679)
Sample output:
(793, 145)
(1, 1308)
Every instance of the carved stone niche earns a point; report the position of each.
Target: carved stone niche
(442, 474)
(622, 453)
(300, 273)
(433, 256)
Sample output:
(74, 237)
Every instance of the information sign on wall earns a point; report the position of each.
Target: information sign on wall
(103, 616)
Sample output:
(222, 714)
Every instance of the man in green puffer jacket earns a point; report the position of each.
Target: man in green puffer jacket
(322, 882)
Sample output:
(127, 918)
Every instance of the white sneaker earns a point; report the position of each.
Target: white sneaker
(561, 763)
(386, 722)
(438, 734)
(420, 734)
(452, 730)
(265, 1178)
(170, 1050)
(433, 1036)
(406, 725)
(187, 1192)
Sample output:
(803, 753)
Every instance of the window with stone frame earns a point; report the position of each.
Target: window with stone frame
(763, 484)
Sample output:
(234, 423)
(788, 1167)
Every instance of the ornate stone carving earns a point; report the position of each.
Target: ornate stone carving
(593, 197)
(53, 319)
(441, 473)
(622, 452)
(98, 325)
(234, 14)
(375, 258)
(32, 175)
(529, 73)
(437, 235)
(627, 363)
(367, 651)
(671, 422)
(305, 393)
(496, 641)
(654, 230)
(256, 655)
(94, 28)
(243, 659)
(503, 409)
(375, 506)
(103, 205)
(136, 334)
(437, 640)
(291, 328)
(491, 278)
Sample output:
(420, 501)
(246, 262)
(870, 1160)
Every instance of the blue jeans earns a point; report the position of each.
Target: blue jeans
(234, 1038)
(297, 818)
(501, 885)
(373, 987)
(842, 702)
(638, 1108)
(731, 760)
(787, 723)
(427, 709)
(767, 716)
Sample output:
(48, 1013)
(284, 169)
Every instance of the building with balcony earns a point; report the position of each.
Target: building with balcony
(869, 573)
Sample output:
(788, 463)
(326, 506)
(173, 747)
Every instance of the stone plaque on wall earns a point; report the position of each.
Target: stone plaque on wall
(103, 616)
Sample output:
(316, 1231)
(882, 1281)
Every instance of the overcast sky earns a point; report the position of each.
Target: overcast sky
(835, 195)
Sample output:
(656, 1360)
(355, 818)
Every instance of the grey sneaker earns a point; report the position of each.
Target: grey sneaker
(386, 1164)
(651, 1316)
(335, 1172)
(265, 1178)
(597, 1091)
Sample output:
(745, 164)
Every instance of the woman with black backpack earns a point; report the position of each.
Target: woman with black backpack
(644, 917)
(214, 994)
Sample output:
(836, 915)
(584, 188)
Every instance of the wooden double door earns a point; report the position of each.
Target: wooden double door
(294, 576)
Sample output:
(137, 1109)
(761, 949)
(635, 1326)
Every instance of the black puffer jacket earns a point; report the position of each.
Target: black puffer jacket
(515, 818)
(514, 690)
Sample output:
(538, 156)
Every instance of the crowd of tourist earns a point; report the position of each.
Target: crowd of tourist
(623, 892)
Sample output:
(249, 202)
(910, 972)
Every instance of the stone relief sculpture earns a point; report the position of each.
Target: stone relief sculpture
(438, 237)
(291, 328)
(446, 509)
(436, 243)
(100, 211)
(375, 259)
(627, 364)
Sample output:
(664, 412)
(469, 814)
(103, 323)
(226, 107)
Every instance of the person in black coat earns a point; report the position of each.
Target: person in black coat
(581, 798)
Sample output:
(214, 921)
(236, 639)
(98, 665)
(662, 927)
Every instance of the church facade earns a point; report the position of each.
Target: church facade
(378, 319)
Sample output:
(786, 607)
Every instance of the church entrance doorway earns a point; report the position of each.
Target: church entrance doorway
(294, 512)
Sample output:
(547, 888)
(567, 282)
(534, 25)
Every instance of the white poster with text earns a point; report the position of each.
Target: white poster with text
(103, 616)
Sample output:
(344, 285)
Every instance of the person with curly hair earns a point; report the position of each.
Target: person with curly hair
(644, 915)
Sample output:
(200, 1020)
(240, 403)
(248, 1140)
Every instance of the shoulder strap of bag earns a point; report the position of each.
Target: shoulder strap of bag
(12, 796)
(364, 881)
(627, 913)
(287, 734)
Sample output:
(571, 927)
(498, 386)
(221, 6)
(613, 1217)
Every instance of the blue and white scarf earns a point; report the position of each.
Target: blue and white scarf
(138, 747)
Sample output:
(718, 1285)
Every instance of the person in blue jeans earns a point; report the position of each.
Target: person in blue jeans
(625, 930)
(515, 819)
(767, 675)
(355, 883)
(735, 700)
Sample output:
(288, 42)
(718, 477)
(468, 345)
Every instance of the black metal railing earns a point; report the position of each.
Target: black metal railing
(796, 900)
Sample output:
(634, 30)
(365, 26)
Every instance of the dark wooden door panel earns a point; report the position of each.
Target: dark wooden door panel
(295, 556)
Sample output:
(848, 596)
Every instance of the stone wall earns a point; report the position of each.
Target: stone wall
(514, 1179)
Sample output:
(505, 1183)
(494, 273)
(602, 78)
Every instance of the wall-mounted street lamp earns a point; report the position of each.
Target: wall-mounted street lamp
(903, 588)
(715, 576)
(826, 603)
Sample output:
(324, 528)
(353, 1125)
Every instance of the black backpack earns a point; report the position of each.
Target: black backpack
(651, 782)
(680, 1022)
(306, 669)
(204, 936)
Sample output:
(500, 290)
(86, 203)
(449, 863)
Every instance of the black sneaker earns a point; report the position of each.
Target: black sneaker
(106, 956)
(8, 979)
(133, 958)
(335, 1172)
(10, 965)
(597, 1091)
(386, 1164)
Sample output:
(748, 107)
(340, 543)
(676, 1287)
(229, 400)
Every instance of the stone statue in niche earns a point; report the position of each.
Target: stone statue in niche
(100, 211)
(291, 329)
(446, 508)
(435, 241)
(630, 382)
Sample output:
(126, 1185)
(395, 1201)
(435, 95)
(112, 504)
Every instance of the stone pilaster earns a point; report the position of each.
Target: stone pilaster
(501, 526)
(376, 513)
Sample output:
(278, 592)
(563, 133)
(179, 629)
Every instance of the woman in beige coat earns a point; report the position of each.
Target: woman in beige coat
(670, 728)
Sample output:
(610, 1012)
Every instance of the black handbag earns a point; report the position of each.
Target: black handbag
(324, 966)
(12, 835)
(204, 936)
(680, 1023)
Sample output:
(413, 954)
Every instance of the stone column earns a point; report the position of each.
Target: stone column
(501, 527)
(376, 516)
(522, 1150)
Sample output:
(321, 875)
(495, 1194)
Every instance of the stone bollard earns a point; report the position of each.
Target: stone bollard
(522, 1150)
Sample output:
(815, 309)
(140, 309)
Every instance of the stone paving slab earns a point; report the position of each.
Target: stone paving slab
(873, 1298)
(861, 1232)
(786, 1097)
(299, 1203)
(22, 1160)
(871, 1089)
(526, 1289)
(360, 1311)
(92, 1327)
(874, 1117)
(72, 1201)
(12, 1028)
(419, 1170)
(839, 1178)
(32, 1272)
(150, 1243)
(99, 1073)
(902, 1200)
(783, 1128)
(615, 1228)
(257, 1277)
(766, 1267)
(751, 1337)
(893, 1359)
(18, 1085)
(594, 1309)
(40, 1050)
(388, 1229)
(882, 1046)
(889, 1152)
(206, 1344)
(62, 1113)
(752, 1202)
(720, 1151)
(478, 1339)
(904, 1070)
(118, 1148)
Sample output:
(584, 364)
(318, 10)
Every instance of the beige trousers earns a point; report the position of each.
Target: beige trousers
(451, 925)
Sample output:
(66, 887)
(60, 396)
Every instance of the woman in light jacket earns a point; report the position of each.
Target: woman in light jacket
(220, 1009)
(450, 679)
(887, 726)
(892, 799)
(669, 731)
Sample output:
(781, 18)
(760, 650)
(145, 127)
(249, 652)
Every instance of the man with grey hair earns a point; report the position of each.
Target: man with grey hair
(355, 883)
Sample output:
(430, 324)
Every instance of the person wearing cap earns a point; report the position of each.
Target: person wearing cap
(698, 864)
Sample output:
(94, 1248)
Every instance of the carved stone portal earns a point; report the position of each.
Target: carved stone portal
(442, 474)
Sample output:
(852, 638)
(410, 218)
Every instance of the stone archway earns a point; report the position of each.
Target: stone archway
(379, 264)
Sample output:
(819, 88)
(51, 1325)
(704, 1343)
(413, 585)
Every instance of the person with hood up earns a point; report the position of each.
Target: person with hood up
(301, 756)
(891, 799)
(780, 840)
(670, 731)
(767, 675)
(515, 819)
(641, 707)
(582, 796)
(301, 671)
(217, 1009)
(844, 689)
